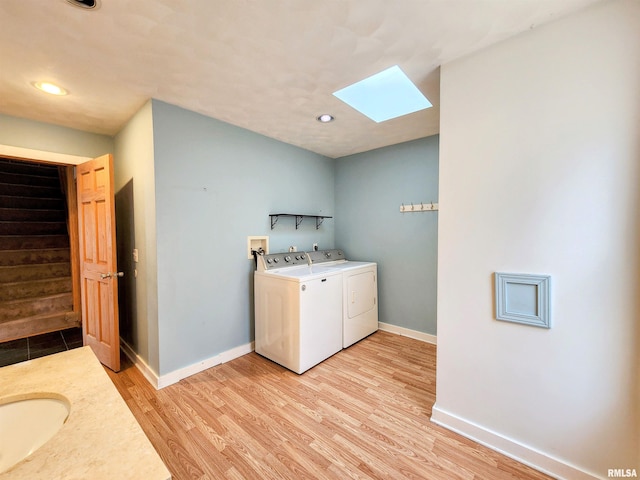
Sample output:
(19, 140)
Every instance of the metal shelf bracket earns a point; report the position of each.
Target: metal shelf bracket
(299, 217)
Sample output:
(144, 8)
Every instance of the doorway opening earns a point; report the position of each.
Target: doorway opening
(39, 280)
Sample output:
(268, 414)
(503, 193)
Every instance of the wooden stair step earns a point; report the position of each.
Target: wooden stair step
(12, 201)
(29, 168)
(13, 242)
(39, 191)
(36, 325)
(24, 273)
(33, 228)
(31, 179)
(34, 288)
(34, 256)
(31, 307)
(32, 215)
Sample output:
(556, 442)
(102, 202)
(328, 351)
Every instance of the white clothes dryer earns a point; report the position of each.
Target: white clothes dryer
(360, 293)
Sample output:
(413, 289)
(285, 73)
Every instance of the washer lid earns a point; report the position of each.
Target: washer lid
(301, 273)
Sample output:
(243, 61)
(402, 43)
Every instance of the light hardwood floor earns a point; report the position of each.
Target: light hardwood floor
(362, 414)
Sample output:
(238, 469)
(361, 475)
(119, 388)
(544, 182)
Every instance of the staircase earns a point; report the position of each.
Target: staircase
(35, 270)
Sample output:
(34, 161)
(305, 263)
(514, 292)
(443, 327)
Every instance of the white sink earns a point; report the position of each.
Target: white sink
(27, 422)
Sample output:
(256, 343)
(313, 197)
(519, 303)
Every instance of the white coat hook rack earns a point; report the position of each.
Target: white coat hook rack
(418, 207)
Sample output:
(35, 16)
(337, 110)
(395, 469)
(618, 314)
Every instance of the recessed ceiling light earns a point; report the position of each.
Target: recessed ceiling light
(325, 118)
(51, 88)
(385, 95)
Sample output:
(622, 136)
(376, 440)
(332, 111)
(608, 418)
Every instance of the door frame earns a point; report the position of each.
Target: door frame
(28, 154)
(74, 242)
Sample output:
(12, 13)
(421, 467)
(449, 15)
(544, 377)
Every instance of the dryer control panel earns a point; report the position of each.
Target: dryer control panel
(323, 256)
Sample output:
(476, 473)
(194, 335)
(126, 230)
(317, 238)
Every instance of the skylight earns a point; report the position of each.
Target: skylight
(385, 95)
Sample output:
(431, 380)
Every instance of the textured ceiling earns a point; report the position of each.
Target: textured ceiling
(269, 66)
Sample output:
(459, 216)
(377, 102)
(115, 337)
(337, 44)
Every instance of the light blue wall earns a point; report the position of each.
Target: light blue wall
(215, 185)
(20, 132)
(370, 187)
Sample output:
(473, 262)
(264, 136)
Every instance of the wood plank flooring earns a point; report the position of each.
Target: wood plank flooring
(362, 414)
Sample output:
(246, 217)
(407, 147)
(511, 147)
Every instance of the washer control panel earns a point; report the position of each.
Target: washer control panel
(279, 260)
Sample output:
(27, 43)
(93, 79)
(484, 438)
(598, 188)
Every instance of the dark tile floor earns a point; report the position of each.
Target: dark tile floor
(39, 346)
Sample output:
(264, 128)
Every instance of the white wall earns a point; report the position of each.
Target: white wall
(134, 166)
(540, 173)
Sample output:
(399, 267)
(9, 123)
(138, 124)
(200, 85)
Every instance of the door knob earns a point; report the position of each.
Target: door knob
(111, 275)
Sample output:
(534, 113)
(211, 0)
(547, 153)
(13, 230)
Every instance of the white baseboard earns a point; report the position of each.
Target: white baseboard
(511, 448)
(236, 352)
(170, 378)
(139, 363)
(184, 372)
(406, 332)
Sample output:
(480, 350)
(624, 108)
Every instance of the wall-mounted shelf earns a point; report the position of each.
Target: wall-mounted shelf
(274, 218)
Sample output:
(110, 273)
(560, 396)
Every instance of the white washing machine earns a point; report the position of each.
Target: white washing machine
(298, 310)
(360, 293)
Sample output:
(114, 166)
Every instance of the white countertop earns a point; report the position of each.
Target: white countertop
(101, 438)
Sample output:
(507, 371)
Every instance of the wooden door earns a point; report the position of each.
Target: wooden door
(98, 272)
